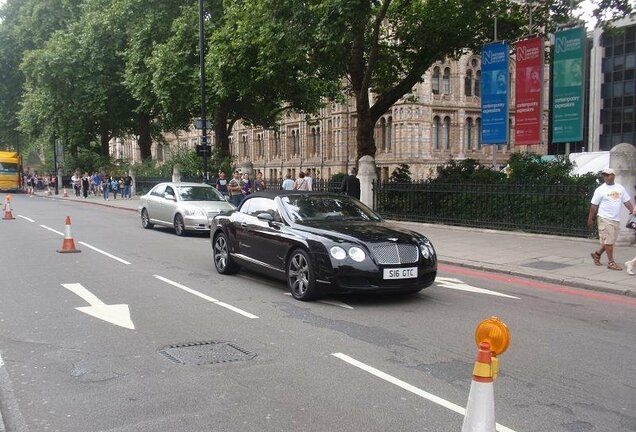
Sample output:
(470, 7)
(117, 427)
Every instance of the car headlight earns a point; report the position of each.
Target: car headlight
(427, 250)
(356, 254)
(194, 212)
(338, 253)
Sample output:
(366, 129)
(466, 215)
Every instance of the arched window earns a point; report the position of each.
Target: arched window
(468, 83)
(478, 136)
(383, 134)
(468, 133)
(277, 143)
(317, 141)
(478, 83)
(435, 82)
(435, 132)
(446, 80)
(446, 133)
(244, 140)
(295, 142)
(389, 133)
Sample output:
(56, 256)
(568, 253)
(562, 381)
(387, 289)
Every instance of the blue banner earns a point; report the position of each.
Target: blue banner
(494, 93)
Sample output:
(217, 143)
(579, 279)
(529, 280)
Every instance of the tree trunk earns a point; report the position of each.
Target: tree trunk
(222, 132)
(145, 137)
(104, 139)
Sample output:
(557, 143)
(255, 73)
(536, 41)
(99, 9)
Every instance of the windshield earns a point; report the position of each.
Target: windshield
(8, 167)
(312, 208)
(198, 193)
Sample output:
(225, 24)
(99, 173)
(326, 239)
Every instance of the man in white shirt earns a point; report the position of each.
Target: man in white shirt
(606, 205)
(288, 183)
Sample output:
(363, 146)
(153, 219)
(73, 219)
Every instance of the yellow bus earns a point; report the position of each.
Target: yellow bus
(10, 169)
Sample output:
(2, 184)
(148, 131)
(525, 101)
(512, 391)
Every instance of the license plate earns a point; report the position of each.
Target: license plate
(400, 273)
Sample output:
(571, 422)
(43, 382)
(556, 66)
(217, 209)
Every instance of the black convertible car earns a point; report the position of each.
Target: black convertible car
(320, 242)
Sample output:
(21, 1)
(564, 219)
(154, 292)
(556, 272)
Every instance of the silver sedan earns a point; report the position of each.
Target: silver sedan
(182, 206)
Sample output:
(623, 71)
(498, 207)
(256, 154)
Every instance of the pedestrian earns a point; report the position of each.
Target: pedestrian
(85, 185)
(77, 183)
(259, 183)
(351, 184)
(309, 180)
(235, 190)
(221, 183)
(246, 185)
(606, 206)
(97, 181)
(114, 187)
(128, 181)
(106, 186)
(288, 183)
(301, 183)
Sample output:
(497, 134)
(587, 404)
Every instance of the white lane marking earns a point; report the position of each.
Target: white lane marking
(51, 229)
(459, 285)
(408, 387)
(24, 217)
(118, 314)
(104, 253)
(331, 302)
(206, 297)
(1, 361)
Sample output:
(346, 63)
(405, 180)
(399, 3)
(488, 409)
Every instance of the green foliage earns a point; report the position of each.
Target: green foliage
(337, 177)
(466, 171)
(401, 174)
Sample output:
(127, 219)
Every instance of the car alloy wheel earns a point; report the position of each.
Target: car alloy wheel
(221, 255)
(300, 276)
(145, 219)
(179, 228)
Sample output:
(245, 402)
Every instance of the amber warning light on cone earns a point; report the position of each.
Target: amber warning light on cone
(495, 332)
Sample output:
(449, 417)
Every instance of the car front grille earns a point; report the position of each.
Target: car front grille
(395, 253)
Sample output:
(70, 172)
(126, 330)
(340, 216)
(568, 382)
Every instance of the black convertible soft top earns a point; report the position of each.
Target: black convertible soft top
(274, 193)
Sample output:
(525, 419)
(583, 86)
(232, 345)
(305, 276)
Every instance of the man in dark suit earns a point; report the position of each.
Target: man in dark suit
(351, 184)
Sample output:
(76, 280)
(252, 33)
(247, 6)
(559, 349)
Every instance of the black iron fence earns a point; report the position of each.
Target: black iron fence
(546, 209)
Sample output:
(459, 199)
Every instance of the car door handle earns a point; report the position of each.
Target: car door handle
(243, 224)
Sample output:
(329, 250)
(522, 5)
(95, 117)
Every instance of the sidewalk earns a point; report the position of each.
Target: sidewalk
(559, 260)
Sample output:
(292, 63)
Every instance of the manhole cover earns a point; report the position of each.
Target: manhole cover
(546, 265)
(200, 353)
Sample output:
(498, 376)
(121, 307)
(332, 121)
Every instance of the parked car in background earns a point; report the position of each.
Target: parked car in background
(319, 242)
(182, 206)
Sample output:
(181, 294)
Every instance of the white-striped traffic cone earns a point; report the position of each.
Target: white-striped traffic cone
(68, 245)
(480, 411)
(7, 208)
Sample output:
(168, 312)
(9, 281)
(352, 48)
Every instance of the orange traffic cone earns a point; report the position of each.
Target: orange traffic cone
(65, 193)
(68, 246)
(7, 208)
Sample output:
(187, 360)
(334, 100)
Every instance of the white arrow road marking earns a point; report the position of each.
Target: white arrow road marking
(331, 302)
(24, 217)
(51, 229)
(114, 314)
(410, 388)
(457, 284)
(105, 253)
(206, 297)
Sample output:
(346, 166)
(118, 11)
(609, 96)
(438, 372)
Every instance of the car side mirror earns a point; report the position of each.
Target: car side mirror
(169, 196)
(265, 217)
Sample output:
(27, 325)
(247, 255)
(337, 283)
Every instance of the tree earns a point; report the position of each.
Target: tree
(257, 67)
(386, 46)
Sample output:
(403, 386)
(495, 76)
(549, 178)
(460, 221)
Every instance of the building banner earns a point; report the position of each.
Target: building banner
(567, 85)
(529, 91)
(494, 93)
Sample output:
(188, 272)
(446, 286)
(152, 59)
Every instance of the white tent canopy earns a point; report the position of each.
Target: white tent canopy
(589, 162)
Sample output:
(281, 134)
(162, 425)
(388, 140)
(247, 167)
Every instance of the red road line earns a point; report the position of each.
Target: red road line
(483, 274)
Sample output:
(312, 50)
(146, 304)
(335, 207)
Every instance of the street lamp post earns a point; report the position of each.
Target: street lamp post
(204, 137)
